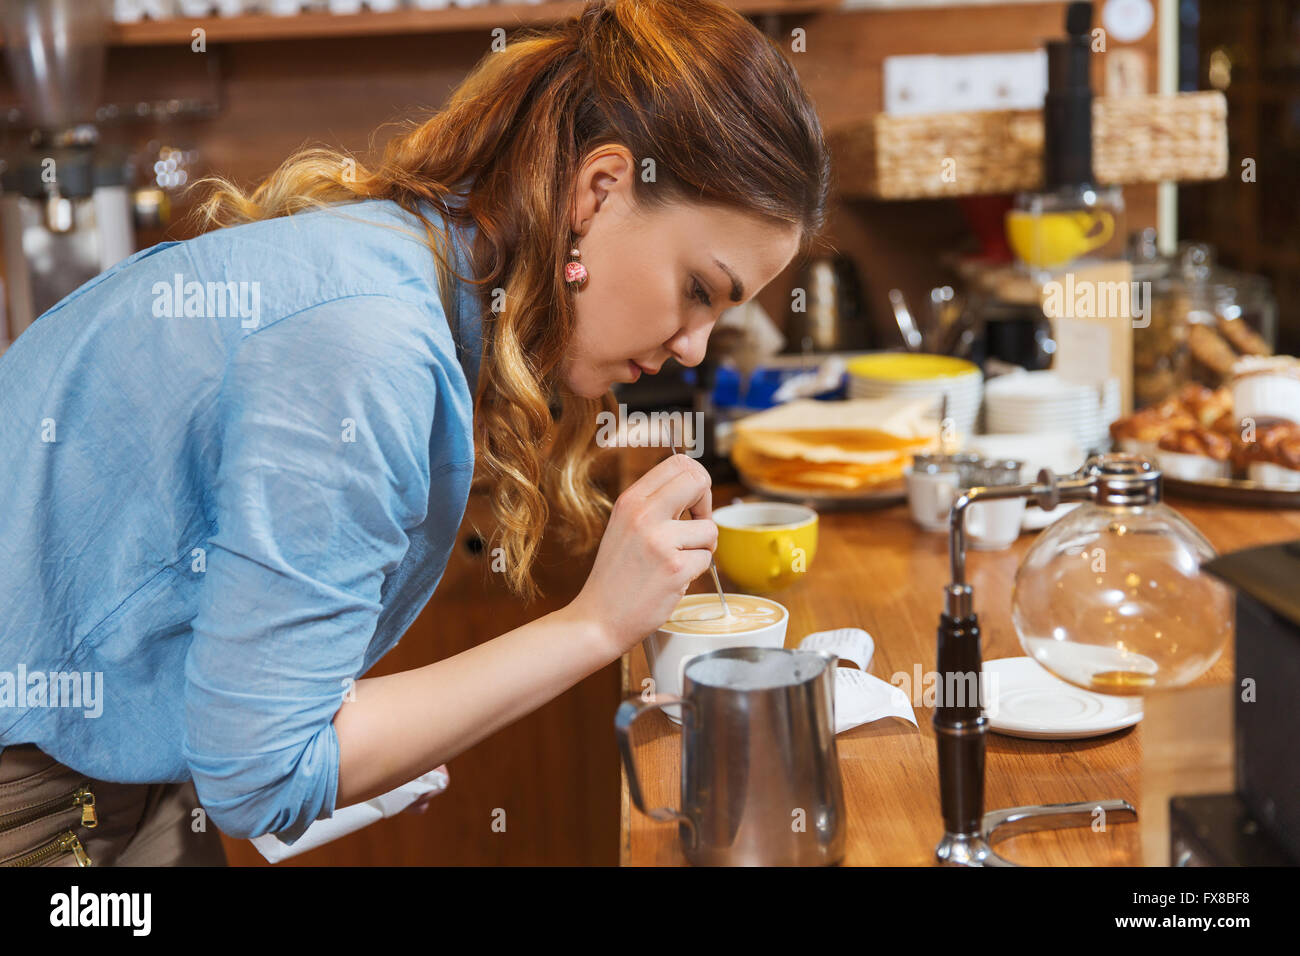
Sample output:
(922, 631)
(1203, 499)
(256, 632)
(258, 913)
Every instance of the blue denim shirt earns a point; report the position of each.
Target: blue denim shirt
(223, 508)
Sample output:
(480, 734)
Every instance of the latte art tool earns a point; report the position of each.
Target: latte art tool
(713, 568)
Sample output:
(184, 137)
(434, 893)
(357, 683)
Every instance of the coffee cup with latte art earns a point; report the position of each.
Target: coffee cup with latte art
(698, 626)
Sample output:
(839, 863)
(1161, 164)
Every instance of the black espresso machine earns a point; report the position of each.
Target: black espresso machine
(1258, 824)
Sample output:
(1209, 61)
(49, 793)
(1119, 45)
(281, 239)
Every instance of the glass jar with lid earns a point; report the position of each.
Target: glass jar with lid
(1161, 360)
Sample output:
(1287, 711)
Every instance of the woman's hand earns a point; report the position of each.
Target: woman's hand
(647, 557)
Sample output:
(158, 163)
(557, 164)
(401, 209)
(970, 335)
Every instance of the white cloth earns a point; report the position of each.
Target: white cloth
(350, 819)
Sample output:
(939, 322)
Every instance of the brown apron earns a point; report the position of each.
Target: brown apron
(51, 815)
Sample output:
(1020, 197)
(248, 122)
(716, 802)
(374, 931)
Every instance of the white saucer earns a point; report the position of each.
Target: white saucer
(1032, 703)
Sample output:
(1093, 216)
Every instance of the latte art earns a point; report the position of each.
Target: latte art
(702, 614)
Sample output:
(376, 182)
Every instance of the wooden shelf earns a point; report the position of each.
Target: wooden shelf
(305, 26)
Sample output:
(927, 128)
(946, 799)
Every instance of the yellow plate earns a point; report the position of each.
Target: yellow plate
(910, 366)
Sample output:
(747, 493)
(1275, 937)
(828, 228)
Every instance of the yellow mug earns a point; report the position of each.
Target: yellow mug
(1050, 239)
(765, 546)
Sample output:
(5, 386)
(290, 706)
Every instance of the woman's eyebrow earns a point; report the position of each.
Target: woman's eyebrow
(737, 287)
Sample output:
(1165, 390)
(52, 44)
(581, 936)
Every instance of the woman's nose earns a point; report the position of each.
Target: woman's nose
(688, 346)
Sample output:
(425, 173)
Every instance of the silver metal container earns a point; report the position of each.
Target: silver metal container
(760, 781)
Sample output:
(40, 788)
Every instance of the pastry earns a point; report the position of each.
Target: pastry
(1140, 431)
(1273, 457)
(1226, 424)
(1270, 440)
(1195, 453)
(1199, 433)
(1208, 406)
(1197, 441)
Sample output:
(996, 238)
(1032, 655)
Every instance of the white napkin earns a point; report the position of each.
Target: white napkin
(860, 698)
(350, 819)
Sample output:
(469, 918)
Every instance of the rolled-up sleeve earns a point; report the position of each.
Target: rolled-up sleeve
(325, 424)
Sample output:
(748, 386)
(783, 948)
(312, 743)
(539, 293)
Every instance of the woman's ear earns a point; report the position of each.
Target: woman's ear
(604, 177)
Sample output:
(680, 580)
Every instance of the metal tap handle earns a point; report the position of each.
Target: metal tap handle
(1047, 492)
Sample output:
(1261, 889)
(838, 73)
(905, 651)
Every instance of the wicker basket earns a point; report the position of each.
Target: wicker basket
(1137, 139)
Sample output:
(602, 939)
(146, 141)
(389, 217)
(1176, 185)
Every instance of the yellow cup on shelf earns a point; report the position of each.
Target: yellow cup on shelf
(764, 546)
(1050, 239)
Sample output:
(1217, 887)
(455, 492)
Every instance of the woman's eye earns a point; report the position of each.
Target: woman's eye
(698, 292)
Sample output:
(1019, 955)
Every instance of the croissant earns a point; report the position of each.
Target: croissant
(1226, 424)
(1208, 406)
(1198, 441)
(1276, 442)
(1150, 424)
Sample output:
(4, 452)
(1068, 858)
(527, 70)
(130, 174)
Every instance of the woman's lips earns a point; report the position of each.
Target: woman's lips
(636, 369)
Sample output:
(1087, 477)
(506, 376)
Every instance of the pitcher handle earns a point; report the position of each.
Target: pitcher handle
(627, 713)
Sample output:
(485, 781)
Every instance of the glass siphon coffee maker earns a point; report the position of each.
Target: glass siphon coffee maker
(1110, 598)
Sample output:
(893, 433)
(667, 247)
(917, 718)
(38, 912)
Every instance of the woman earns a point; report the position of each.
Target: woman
(235, 466)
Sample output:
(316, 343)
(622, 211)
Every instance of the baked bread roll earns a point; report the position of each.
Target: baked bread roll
(1197, 441)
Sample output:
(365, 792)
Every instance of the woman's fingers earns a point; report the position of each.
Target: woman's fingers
(701, 533)
(694, 563)
(646, 542)
(689, 488)
(656, 477)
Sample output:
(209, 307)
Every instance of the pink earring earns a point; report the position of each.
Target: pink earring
(575, 272)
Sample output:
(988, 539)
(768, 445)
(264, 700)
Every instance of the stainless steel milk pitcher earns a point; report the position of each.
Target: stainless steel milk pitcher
(760, 783)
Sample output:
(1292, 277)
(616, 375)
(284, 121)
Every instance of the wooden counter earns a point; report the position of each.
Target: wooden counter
(878, 571)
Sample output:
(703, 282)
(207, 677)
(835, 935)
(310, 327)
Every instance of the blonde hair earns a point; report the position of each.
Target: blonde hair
(689, 84)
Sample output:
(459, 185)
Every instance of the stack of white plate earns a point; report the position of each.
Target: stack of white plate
(1023, 402)
(917, 375)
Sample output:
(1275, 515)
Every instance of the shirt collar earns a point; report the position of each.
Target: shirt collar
(464, 312)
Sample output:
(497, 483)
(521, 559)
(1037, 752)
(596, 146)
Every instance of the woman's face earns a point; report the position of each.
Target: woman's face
(658, 278)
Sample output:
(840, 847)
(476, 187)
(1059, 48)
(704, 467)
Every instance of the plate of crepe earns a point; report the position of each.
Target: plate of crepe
(849, 452)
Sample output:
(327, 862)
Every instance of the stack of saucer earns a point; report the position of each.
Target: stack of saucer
(1024, 402)
(914, 375)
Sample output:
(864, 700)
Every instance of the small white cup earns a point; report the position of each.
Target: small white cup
(994, 525)
(930, 497)
(669, 651)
